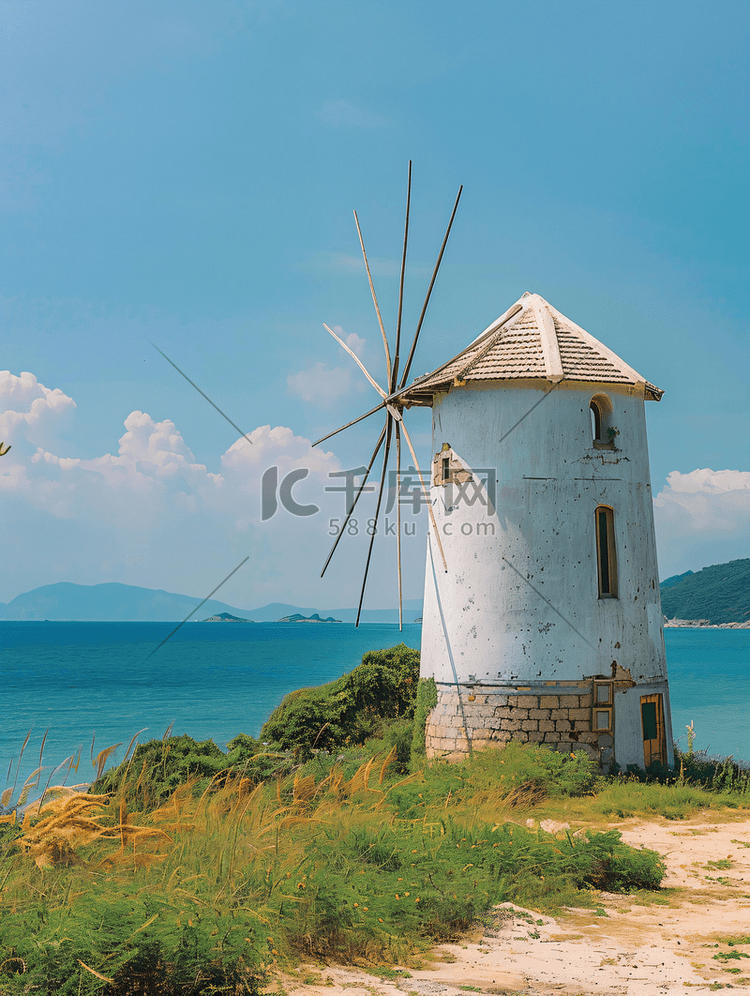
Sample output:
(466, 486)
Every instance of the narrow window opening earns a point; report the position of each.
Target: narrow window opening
(605, 549)
(446, 468)
(604, 578)
(596, 422)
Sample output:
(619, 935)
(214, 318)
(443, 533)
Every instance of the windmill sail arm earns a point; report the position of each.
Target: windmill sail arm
(388, 427)
(356, 499)
(353, 422)
(398, 527)
(407, 437)
(394, 372)
(357, 360)
(410, 358)
(375, 301)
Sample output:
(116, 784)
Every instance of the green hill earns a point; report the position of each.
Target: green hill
(720, 593)
(675, 579)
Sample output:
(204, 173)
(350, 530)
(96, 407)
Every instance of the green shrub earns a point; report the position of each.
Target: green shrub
(349, 710)
(158, 767)
(619, 868)
(571, 774)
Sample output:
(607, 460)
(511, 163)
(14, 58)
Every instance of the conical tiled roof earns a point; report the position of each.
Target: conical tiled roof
(531, 340)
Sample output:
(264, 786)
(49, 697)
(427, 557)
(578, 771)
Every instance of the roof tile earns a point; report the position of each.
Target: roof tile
(518, 349)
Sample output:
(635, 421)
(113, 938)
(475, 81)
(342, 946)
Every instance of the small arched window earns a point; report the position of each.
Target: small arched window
(596, 421)
(606, 554)
(602, 431)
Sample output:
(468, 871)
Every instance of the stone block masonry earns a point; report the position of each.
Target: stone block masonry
(557, 716)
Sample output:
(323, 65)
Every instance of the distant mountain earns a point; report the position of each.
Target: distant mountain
(720, 593)
(114, 602)
(110, 602)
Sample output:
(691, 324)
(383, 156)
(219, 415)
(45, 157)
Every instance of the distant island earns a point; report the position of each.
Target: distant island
(226, 617)
(314, 618)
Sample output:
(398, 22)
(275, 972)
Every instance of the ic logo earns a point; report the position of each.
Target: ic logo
(270, 488)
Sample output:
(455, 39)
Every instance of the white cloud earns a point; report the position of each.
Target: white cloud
(346, 114)
(29, 410)
(153, 465)
(702, 518)
(322, 385)
(150, 514)
(353, 341)
(710, 500)
(709, 481)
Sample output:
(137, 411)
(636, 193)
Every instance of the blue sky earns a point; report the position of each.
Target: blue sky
(185, 173)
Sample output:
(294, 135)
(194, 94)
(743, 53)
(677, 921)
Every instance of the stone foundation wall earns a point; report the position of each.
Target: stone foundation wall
(558, 715)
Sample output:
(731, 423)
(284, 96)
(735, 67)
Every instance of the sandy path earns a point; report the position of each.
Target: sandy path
(633, 950)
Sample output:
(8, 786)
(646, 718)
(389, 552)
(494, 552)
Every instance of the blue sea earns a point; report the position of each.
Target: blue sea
(101, 681)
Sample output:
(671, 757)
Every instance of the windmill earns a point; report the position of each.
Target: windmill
(391, 403)
(548, 628)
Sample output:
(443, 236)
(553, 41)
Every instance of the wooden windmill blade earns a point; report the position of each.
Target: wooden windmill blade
(413, 349)
(398, 528)
(391, 404)
(375, 301)
(356, 499)
(353, 422)
(392, 386)
(388, 431)
(394, 372)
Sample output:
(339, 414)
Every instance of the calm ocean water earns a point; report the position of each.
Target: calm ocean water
(212, 681)
(81, 679)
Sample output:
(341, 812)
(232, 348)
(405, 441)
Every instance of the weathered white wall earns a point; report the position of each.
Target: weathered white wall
(522, 604)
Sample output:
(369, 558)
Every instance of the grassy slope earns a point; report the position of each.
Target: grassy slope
(194, 871)
(341, 860)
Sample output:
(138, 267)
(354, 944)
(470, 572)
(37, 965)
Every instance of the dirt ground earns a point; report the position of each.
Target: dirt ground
(621, 949)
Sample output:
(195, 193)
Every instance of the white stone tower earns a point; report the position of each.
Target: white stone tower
(547, 625)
